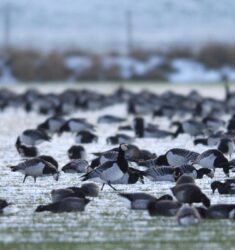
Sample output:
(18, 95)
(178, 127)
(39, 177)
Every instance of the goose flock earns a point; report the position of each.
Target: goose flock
(207, 123)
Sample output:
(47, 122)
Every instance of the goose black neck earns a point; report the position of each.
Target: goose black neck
(122, 162)
(178, 131)
(139, 127)
(201, 172)
(202, 141)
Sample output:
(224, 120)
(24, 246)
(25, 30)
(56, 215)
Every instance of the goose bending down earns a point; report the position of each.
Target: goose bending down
(197, 173)
(220, 211)
(3, 204)
(76, 152)
(70, 204)
(191, 127)
(119, 138)
(32, 137)
(213, 159)
(163, 173)
(188, 215)
(52, 125)
(85, 136)
(109, 119)
(163, 208)
(75, 166)
(36, 167)
(223, 187)
(110, 171)
(190, 193)
(177, 157)
(25, 151)
(226, 146)
(150, 132)
(183, 179)
(140, 201)
(87, 189)
(74, 125)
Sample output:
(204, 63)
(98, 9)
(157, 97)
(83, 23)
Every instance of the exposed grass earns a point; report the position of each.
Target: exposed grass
(33, 65)
(216, 55)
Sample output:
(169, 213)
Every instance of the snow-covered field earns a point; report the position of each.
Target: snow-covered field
(106, 223)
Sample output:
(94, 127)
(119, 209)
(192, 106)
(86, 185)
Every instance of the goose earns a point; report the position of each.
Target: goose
(191, 127)
(183, 179)
(109, 119)
(163, 208)
(4, 204)
(177, 157)
(142, 132)
(52, 125)
(75, 125)
(212, 140)
(162, 173)
(232, 165)
(190, 193)
(213, 123)
(25, 151)
(226, 146)
(110, 171)
(69, 204)
(87, 189)
(220, 211)
(144, 155)
(125, 127)
(36, 167)
(75, 166)
(213, 159)
(165, 111)
(32, 137)
(223, 188)
(119, 138)
(151, 163)
(188, 215)
(231, 124)
(133, 154)
(85, 136)
(197, 173)
(140, 201)
(76, 152)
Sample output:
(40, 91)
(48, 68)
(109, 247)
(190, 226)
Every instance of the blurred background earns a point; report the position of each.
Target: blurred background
(117, 40)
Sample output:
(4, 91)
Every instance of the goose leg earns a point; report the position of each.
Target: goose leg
(35, 179)
(25, 178)
(102, 186)
(112, 186)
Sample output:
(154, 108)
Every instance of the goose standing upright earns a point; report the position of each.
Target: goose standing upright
(110, 171)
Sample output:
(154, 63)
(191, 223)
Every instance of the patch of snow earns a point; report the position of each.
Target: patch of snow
(229, 72)
(6, 76)
(77, 63)
(187, 70)
(130, 66)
